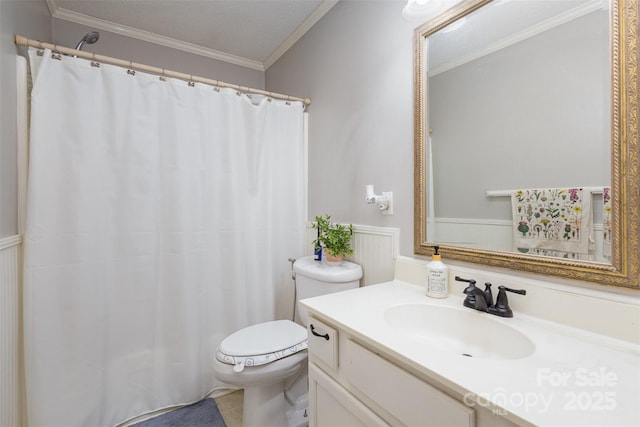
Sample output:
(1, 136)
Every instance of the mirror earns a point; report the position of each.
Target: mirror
(526, 137)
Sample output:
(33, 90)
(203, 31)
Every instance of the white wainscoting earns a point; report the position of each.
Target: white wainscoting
(494, 234)
(374, 248)
(474, 233)
(11, 377)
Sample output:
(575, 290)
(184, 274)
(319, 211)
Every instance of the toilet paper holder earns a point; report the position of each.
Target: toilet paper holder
(384, 201)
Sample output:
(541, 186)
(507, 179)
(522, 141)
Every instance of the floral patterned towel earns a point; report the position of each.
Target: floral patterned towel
(553, 219)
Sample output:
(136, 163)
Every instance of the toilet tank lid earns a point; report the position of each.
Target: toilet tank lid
(345, 272)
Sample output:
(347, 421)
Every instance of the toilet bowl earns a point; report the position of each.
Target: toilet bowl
(269, 360)
(265, 359)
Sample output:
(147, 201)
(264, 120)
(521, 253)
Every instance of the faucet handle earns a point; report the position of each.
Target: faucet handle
(475, 298)
(468, 290)
(501, 307)
(471, 282)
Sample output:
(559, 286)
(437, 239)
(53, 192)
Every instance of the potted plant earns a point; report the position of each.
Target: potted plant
(335, 239)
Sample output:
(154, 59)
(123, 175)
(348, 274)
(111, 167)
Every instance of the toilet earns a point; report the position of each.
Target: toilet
(269, 360)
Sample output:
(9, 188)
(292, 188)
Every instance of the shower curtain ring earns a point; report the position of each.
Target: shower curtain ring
(163, 78)
(191, 83)
(55, 54)
(94, 63)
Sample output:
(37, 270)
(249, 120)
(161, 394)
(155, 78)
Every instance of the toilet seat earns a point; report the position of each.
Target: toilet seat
(261, 344)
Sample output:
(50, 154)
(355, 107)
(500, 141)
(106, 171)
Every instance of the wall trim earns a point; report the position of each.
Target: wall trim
(389, 232)
(302, 29)
(124, 30)
(534, 30)
(374, 248)
(11, 241)
(11, 356)
(474, 221)
(499, 222)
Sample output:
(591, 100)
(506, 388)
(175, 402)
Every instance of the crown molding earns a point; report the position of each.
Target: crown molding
(534, 30)
(101, 24)
(325, 6)
(52, 5)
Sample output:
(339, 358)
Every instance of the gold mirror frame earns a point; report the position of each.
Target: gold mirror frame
(625, 162)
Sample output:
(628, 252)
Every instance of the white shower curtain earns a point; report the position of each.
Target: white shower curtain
(160, 218)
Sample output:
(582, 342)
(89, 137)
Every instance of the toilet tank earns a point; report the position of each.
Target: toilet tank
(315, 278)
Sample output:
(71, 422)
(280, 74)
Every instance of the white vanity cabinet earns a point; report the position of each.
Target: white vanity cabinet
(330, 404)
(351, 384)
(364, 369)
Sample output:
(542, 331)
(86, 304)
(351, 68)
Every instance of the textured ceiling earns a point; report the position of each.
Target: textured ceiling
(243, 31)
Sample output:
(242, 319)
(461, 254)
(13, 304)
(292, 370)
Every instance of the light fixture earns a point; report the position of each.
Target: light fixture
(423, 10)
(383, 201)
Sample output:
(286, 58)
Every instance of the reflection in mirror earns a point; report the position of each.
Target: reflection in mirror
(506, 111)
(514, 137)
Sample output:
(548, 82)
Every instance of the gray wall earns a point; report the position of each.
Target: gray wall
(29, 18)
(356, 65)
(532, 115)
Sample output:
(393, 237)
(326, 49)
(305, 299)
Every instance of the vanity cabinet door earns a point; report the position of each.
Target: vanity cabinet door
(332, 406)
(406, 397)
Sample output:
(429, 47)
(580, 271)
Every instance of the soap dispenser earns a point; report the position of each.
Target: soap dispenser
(437, 276)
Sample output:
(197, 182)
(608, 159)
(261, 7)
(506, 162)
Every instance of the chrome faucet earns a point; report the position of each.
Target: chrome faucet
(483, 300)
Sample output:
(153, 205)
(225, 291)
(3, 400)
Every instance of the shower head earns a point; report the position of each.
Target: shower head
(89, 38)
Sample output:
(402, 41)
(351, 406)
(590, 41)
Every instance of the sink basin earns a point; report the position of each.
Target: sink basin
(463, 332)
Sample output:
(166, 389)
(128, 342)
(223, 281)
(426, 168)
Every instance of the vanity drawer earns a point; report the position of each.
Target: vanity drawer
(406, 397)
(323, 342)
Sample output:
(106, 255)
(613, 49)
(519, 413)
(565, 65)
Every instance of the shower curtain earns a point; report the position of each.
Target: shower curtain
(160, 217)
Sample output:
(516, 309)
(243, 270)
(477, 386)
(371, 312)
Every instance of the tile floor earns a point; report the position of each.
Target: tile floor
(230, 406)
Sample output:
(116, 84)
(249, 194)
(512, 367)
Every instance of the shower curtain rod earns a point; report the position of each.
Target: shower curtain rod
(23, 41)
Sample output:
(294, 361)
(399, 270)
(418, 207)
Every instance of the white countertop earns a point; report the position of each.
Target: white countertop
(573, 378)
